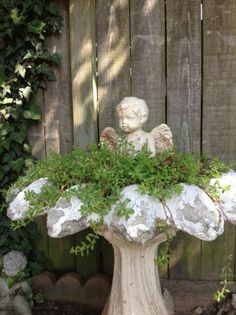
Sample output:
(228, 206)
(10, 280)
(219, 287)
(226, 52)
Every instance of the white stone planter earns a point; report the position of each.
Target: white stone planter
(135, 287)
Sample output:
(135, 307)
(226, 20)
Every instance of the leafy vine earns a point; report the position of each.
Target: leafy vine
(25, 66)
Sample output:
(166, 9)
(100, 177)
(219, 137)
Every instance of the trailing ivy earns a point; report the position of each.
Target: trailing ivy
(25, 66)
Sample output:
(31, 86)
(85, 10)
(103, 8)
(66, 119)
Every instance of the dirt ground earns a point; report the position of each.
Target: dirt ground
(187, 295)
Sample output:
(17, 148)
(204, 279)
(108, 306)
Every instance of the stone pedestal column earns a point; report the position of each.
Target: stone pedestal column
(135, 288)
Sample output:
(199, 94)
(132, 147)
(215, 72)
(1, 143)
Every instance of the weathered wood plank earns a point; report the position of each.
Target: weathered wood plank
(113, 54)
(185, 257)
(219, 109)
(84, 94)
(107, 258)
(58, 125)
(184, 109)
(219, 73)
(184, 72)
(36, 132)
(215, 256)
(148, 56)
(83, 71)
(113, 51)
(37, 142)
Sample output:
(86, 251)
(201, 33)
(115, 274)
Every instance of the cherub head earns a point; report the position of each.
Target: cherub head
(132, 113)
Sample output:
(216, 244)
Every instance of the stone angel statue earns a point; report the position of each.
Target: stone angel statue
(133, 113)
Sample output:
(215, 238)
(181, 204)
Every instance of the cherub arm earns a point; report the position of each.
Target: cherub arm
(110, 137)
(163, 138)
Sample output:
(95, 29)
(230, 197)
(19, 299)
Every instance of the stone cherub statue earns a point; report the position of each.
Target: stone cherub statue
(133, 113)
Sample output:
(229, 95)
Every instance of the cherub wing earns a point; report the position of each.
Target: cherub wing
(163, 138)
(110, 137)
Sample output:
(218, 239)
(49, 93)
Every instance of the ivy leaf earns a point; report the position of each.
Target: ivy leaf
(52, 8)
(36, 27)
(17, 20)
(32, 113)
(7, 100)
(55, 58)
(26, 92)
(20, 69)
(16, 165)
(3, 77)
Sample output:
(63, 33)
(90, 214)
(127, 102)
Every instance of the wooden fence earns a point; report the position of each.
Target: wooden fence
(178, 55)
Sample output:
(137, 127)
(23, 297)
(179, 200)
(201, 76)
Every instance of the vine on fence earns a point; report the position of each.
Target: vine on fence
(25, 66)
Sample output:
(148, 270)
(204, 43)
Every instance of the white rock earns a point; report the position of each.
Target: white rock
(13, 262)
(227, 197)
(141, 225)
(65, 218)
(17, 209)
(193, 212)
(21, 306)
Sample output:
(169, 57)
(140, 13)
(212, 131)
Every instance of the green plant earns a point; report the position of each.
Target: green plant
(101, 174)
(25, 66)
(163, 254)
(226, 274)
(87, 246)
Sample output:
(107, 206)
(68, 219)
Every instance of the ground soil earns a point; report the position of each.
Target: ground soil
(187, 295)
(62, 308)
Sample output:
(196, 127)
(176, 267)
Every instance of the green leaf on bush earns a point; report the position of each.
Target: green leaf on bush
(20, 69)
(36, 26)
(32, 113)
(17, 19)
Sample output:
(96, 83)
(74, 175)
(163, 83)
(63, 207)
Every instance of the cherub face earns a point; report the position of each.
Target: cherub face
(129, 121)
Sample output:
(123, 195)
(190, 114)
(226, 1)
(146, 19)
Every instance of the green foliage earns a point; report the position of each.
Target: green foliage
(24, 67)
(87, 246)
(227, 273)
(101, 174)
(221, 294)
(163, 255)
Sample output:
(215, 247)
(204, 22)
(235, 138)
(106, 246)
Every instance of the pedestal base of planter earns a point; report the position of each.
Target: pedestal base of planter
(135, 288)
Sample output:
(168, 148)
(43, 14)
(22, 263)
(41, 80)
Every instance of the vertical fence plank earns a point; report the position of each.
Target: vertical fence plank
(83, 71)
(84, 96)
(219, 110)
(184, 108)
(148, 56)
(147, 38)
(113, 52)
(219, 75)
(58, 126)
(37, 142)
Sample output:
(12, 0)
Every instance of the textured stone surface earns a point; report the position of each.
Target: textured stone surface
(228, 195)
(192, 212)
(14, 300)
(17, 209)
(13, 262)
(21, 306)
(65, 218)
